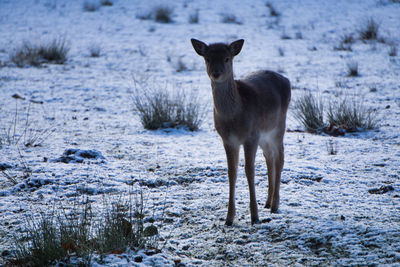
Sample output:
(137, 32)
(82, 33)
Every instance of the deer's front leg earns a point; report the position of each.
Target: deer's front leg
(232, 156)
(250, 149)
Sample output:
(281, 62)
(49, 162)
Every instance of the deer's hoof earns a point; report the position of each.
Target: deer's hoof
(274, 210)
(255, 221)
(228, 223)
(267, 205)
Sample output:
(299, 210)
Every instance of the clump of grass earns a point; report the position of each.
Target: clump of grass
(194, 17)
(54, 237)
(55, 51)
(160, 109)
(309, 111)
(342, 116)
(74, 235)
(230, 19)
(106, 3)
(285, 36)
(392, 50)
(95, 50)
(369, 31)
(351, 115)
(352, 68)
(346, 40)
(24, 128)
(272, 10)
(163, 14)
(281, 51)
(331, 147)
(89, 6)
(181, 66)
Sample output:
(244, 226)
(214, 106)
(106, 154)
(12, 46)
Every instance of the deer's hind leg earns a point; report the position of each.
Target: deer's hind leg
(273, 153)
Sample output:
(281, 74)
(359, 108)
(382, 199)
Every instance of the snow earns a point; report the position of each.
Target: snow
(327, 215)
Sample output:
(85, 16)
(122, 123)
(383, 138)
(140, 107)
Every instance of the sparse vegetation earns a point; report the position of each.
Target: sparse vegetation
(181, 66)
(89, 6)
(163, 14)
(158, 108)
(281, 51)
(285, 36)
(106, 3)
(351, 115)
(369, 31)
(194, 17)
(331, 147)
(309, 111)
(392, 50)
(95, 50)
(352, 68)
(73, 235)
(346, 40)
(230, 19)
(344, 115)
(272, 10)
(29, 54)
(23, 128)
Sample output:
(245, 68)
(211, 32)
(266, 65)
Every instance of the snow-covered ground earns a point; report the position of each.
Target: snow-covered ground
(330, 213)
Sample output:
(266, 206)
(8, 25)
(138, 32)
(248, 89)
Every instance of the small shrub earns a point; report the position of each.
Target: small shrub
(24, 128)
(392, 50)
(72, 235)
(346, 40)
(309, 111)
(272, 10)
(163, 14)
(351, 116)
(95, 50)
(106, 3)
(230, 19)
(352, 68)
(285, 36)
(29, 54)
(370, 30)
(181, 66)
(299, 35)
(90, 6)
(331, 147)
(158, 108)
(194, 17)
(281, 51)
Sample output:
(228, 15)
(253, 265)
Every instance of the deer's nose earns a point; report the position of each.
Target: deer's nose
(216, 74)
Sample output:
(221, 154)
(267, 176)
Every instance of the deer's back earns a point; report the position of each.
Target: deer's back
(269, 90)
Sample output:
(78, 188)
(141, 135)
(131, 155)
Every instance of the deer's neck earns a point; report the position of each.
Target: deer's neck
(226, 98)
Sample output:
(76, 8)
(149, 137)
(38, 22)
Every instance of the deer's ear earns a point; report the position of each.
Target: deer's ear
(236, 46)
(199, 47)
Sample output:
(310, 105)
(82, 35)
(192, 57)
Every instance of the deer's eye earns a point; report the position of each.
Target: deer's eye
(227, 59)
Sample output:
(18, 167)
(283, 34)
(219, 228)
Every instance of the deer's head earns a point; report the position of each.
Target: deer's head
(218, 58)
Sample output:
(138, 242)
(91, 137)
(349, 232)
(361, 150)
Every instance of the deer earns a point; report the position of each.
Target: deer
(249, 112)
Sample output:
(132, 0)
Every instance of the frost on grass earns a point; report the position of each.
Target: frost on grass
(342, 116)
(160, 108)
(161, 14)
(75, 234)
(25, 125)
(309, 111)
(29, 54)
